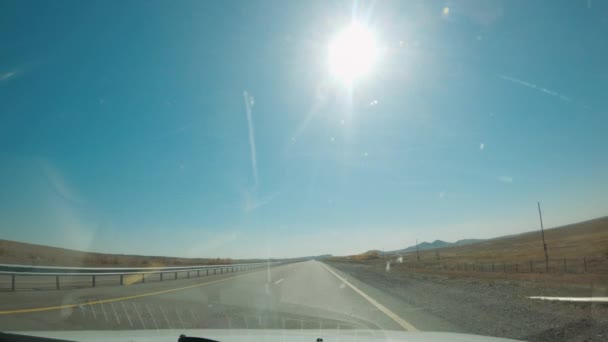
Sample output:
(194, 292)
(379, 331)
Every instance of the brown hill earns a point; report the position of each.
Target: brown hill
(574, 241)
(13, 252)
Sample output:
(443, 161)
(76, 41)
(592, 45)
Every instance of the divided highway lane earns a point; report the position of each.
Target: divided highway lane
(305, 295)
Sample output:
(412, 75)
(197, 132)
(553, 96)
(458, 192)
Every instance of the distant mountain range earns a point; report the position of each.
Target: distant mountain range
(433, 245)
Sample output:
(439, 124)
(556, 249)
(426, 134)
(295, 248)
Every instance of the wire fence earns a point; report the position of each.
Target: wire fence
(590, 265)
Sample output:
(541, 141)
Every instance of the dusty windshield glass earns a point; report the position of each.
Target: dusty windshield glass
(310, 167)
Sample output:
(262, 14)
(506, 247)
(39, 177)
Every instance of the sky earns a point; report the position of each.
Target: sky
(215, 129)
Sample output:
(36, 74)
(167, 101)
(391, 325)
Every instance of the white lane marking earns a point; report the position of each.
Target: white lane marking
(574, 299)
(403, 323)
(278, 281)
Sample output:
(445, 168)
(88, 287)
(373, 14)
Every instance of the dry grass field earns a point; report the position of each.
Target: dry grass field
(580, 248)
(589, 238)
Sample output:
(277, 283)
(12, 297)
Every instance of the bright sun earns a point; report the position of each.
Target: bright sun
(352, 53)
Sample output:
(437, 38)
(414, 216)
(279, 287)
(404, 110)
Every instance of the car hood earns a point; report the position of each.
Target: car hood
(275, 335)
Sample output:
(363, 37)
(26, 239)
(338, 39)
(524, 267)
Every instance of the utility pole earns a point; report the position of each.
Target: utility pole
(542, 231)
(417, 252)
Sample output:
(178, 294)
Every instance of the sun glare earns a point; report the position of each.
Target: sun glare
(352, 53)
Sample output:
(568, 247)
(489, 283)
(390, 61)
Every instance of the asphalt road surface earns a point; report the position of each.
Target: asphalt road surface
(304, 295)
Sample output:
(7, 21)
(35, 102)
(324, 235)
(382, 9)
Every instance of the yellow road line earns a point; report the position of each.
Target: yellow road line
(403, 323)
(109, 300)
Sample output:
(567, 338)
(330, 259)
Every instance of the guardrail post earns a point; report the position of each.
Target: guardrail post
(207, 272)
(188, 274)
(161, 276)
(215, 271)
(57, 282)
(12, 282)
(175, 275)
(143, 277)
(585, 264)
(232, 268)
(93, 280)
(121, 280)
(198, 273)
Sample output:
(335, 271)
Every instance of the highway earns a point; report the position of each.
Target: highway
(304, 295)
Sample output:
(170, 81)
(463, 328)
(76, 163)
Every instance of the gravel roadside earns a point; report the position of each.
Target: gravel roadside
(489, 307)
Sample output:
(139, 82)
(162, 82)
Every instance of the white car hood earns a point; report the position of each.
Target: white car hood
(277, 335)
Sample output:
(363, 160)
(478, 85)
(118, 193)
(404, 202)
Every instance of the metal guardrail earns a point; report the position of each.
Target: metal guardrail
(14, 271)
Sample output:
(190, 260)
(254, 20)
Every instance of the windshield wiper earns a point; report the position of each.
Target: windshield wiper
(184, 338)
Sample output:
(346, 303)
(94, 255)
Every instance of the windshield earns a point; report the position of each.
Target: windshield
(411, 166)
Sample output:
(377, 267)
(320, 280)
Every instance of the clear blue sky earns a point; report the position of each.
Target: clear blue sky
(124, 126)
